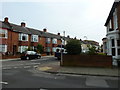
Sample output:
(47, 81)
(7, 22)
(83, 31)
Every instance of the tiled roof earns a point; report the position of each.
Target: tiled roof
(90, 42)
(17, 28)
(26, 30)
(5, 25)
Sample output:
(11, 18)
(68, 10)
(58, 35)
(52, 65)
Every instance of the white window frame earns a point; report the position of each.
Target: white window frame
(3, 48)
(54, 41)
(48, 40)
(5, 32)
(21, 35)
(34, 38)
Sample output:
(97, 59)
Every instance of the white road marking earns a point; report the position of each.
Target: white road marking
(15, 67)
(4, 83)
(27, 66)
(6, 68)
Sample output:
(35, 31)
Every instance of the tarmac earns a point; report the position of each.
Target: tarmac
(54, 67)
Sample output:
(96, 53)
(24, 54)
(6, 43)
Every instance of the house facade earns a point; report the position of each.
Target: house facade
(113, 31)
(85, 44)
(104, 47)
(17, 38)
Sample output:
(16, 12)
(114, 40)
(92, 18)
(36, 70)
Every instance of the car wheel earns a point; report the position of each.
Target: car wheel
(27, 58)
(39, 57)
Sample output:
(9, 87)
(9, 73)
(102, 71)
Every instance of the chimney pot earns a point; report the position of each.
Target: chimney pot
(6, 19)
(59, 34)
(68, 36)
(45, 30)
(22, 24)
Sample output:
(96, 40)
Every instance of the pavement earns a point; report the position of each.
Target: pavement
(54, 67)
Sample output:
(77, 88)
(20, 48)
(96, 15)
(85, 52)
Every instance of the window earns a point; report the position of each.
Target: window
(113, 42)
(118, 42)
(118, 51)
(48, 40)
(34, 38)
(110, 23)
(63, 42)
(54, 49)
(3, 33)
(115, 19)
(109, 26)
(54, 41)
(22, 48)
(3, 48)
(23, 37)
(113, 51)
(47, 49)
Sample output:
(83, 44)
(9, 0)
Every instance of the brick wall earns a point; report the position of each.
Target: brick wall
(118, 14)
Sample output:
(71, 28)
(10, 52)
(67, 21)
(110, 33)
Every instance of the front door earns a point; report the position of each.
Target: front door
(14, 49)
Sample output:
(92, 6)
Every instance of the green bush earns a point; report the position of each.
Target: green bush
(73, 47)
(101, 54)
(40, 48)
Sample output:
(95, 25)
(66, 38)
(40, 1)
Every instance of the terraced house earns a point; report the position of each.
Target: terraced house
(16, 38)
(113, 31)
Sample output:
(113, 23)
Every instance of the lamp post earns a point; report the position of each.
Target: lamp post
(62, 39)
(61, 52)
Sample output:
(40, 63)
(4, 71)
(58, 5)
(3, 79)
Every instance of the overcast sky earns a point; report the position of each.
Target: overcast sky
(78, 18)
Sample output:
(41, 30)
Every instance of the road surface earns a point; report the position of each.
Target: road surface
(23, 74)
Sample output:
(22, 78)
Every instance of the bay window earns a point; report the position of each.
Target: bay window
(54, 49)
(3, 48)
(22, 48)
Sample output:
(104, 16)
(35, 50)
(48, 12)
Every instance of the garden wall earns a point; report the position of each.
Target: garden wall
(87, 60)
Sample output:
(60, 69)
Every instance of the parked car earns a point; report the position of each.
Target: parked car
(58, 53)
(30, 55)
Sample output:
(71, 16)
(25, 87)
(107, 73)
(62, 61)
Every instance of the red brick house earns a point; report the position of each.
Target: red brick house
(16, 38)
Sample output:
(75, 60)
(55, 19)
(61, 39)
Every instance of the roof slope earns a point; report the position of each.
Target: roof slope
(26, 30)
(117, 2)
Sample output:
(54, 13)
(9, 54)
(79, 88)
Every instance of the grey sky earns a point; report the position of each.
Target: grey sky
(78, 18)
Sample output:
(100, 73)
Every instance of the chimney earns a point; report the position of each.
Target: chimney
(6, 19)
(68, 36)
(22, 24)
(44, 30)
(59, 34)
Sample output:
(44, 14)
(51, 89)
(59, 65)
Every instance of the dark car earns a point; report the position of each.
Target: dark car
(58, 53)
(30, 55)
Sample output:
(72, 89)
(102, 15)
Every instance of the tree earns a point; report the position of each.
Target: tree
(73, 47)
(40, 48)
(92, 50)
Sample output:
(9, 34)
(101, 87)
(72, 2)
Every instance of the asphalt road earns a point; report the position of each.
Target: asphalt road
(22, 74)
